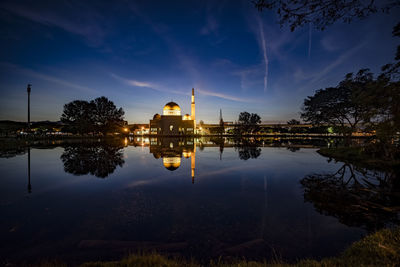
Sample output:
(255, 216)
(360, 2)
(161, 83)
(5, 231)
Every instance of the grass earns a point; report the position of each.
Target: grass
(379, 249)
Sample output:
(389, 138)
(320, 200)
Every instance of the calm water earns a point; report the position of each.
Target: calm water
(95, 201)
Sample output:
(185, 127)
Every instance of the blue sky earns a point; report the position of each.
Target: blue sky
(143, 54)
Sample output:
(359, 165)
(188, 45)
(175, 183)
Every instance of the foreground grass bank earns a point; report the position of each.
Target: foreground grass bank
(379, 249)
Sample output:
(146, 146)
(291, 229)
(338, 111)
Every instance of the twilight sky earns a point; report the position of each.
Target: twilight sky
(143, 54)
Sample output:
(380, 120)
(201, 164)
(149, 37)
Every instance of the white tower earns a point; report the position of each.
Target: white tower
(193, 115)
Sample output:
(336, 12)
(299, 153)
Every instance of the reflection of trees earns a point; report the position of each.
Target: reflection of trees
(12, 152)
(293, 148)
(246, 153)
(248, 148)
(99, 160)
(357, 197)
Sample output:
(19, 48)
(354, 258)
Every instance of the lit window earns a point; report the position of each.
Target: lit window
(171, 127)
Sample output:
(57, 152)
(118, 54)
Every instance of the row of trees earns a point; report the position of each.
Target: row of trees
(364, 100)
(97, 116)
(359, 101)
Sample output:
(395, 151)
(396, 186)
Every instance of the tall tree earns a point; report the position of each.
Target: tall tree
(107, 117)
(249, 123)
(343, 106)
(100, 115)
(78, 116)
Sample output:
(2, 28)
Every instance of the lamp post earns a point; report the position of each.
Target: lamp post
(28, 89)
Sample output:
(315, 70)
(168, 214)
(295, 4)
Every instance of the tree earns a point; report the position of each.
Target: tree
(392, 70)
(107, 117)
(322, 13)
(248, 123)
(293, 122)
(343, 106)
(97, 115)
(78, 116)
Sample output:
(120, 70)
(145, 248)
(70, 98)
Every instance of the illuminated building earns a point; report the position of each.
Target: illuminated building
(172, 123)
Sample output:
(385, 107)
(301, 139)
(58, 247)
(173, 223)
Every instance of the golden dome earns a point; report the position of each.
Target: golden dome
(186, 154)
(156, 116)
(187, 117)
(172, 108)
(172, 163)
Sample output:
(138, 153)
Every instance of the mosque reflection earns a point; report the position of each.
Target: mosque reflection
(171, 150)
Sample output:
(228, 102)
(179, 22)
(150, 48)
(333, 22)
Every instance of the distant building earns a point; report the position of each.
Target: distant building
(171, 122)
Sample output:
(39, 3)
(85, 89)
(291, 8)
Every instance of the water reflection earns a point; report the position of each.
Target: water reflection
(356, 196)
(29, 171)
(248, 148)
(98, 159)
(232, 211)
(171, 150)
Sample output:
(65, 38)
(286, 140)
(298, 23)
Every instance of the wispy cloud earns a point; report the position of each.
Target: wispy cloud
(45, 77)
(340, 60)
(318, 76)
(133, 82)
(85, 25)
(264, 50)
(210, 27)
(163, 89)
(329, 44)
(225, 96)
(185, 61)
(136, 83)
(309, 40)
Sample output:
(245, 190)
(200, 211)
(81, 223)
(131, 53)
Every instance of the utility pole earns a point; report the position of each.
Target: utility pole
(28, 89)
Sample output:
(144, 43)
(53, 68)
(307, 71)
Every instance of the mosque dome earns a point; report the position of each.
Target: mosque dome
(172, 108)
(172, 163)
(187, 117)
(186, 154)
(156, 116)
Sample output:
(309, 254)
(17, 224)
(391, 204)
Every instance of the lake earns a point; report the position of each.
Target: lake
(259, 199)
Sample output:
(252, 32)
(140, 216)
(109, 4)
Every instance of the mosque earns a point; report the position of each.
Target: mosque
(172, 123)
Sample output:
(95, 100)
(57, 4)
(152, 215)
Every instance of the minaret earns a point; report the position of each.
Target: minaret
(193, 115)
(193, 161)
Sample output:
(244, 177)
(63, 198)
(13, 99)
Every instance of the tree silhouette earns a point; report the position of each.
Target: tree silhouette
(343, 106)
(322, 13)
(78, 116)
(98, 159)
(293, 122)
(100, 115)
(106, 115)
(248, 123)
